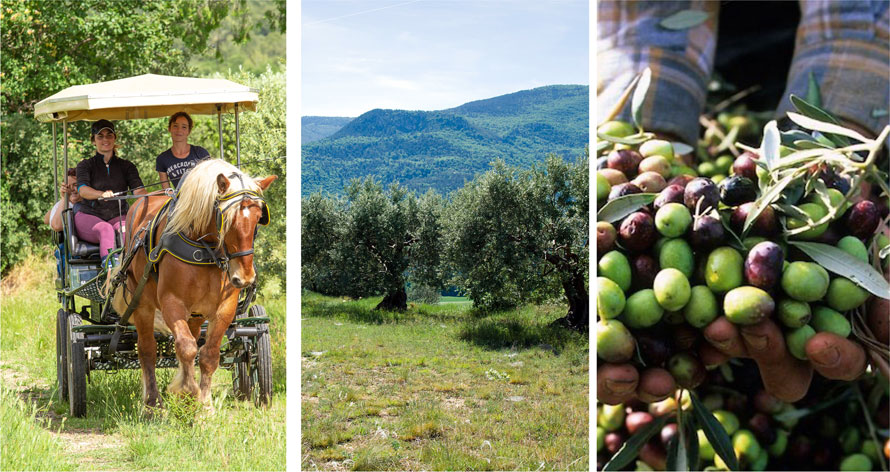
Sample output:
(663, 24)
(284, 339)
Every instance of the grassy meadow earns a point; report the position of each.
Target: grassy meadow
(441, 387)
(38, 434)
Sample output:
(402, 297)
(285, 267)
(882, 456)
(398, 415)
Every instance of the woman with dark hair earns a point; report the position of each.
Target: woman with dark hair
(173, 163)
(101, 176)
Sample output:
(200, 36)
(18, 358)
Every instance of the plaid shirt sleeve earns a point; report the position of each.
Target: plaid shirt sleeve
(845, 46)
(629, 39)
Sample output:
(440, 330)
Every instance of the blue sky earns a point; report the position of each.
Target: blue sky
(435, 54)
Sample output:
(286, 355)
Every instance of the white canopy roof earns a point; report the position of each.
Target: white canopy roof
(145, 96)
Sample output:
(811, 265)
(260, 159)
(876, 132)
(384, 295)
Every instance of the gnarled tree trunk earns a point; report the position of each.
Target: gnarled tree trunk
(394, 301)
(578, 316)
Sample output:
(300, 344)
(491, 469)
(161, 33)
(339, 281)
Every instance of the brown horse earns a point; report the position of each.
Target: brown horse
(216, 204)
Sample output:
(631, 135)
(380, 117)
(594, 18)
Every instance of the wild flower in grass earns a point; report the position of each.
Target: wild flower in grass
(492, 374)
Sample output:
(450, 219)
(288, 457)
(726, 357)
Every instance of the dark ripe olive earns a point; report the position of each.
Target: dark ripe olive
(602, 163)
(682, 180)
(654, 455)
(644, 269)
(831, 235)
(637, 232)
(614, 441)
(636, 420)
(764, 402)
(686, 369)
(670, 194)
(653, 348)
(621, 190)
(826, 454)
(833, 180)
(625, 160)
(800, 449)
(759, 424)
(706, 233)
(737, 404)
(862, 219)
(684, 337)
(606, 234)
(669, 431)
(766, 223)
(744, 166)
(763, 266)
(701, 189)
(736, 190)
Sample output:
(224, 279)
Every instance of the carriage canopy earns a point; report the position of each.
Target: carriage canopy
(146, 96)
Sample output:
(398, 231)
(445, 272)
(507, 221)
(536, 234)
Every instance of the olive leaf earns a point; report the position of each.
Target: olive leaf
(768, 197)
(794, 136)
(684, 19)
(813, 94)
(691, 426)
(715, 433)
(729, 140)
(636, 103)
(631, 140)
(807, 109)
(622, 206)
(734, 239)
(879, 112)
(827, 128)
(602, 144)
(769, 147)
(674, 453)
(846, 265)
(632, 446)
(681, 148)
(885, 251)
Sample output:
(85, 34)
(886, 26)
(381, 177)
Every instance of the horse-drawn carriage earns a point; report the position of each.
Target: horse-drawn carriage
(97, 336)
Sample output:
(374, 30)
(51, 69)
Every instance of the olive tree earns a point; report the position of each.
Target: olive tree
(372, 241)
(516, 236)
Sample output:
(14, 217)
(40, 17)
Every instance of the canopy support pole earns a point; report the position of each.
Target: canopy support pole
(56, 167)
(237, 138)
(66, 229)
(219, 129)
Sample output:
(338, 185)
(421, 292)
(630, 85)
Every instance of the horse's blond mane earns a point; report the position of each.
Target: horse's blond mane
(197, 194)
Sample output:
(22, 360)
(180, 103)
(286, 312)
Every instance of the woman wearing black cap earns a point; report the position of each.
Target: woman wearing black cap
(173, 163)
(101, 176)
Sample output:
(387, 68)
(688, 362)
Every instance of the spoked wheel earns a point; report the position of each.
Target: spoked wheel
(262, 370)
(77, 375)
(253, 375)
(62, 353)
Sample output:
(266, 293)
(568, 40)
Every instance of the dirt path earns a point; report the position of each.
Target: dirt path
(89, 448)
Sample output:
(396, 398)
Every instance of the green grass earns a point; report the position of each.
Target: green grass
(25, 444)
(441, 387)
(238, 436)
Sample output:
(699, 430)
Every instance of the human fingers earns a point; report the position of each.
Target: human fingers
(783, 375)
(724, 336)
(711, 356)
(836, 357)
(655, 385)
(616, 383)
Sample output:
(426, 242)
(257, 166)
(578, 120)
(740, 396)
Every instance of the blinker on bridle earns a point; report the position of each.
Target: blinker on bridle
(235, 198)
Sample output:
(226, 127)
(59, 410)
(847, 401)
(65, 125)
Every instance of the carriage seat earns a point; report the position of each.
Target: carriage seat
(80, 250)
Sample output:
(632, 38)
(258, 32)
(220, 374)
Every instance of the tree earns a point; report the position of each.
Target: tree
(51, 45)
(372, 242)
(522, 235)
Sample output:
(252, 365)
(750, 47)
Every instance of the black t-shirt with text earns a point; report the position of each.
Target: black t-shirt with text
(176, 168)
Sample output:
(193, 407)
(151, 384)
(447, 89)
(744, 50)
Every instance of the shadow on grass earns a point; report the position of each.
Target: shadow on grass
(362, 311)
(507, 330)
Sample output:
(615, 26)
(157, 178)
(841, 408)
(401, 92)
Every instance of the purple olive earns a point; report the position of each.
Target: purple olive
(621, 190)
(626, 161)
(636, 420)
(668, 432)
(670, 194)
(766, 223)
(701, 189)
(763, 266)
(736, 190)
(706, 233)
(644, 269)
(684, 337)
(862, 219)
(744, 166)
(637, 232)
(614, 441)
(759, 424)
(654, 348)
(681, 180)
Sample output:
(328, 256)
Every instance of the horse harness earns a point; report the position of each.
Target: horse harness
(180, 246)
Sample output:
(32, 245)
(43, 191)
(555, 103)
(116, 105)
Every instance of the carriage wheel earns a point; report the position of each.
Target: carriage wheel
(62, 353)
(241, 381)
(77, 376)
(262, 370)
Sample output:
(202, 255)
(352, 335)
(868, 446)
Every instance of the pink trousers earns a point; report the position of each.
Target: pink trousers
(96, 230)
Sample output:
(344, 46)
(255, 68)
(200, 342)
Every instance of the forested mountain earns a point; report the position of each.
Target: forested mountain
(313, 128)
(443, 149)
